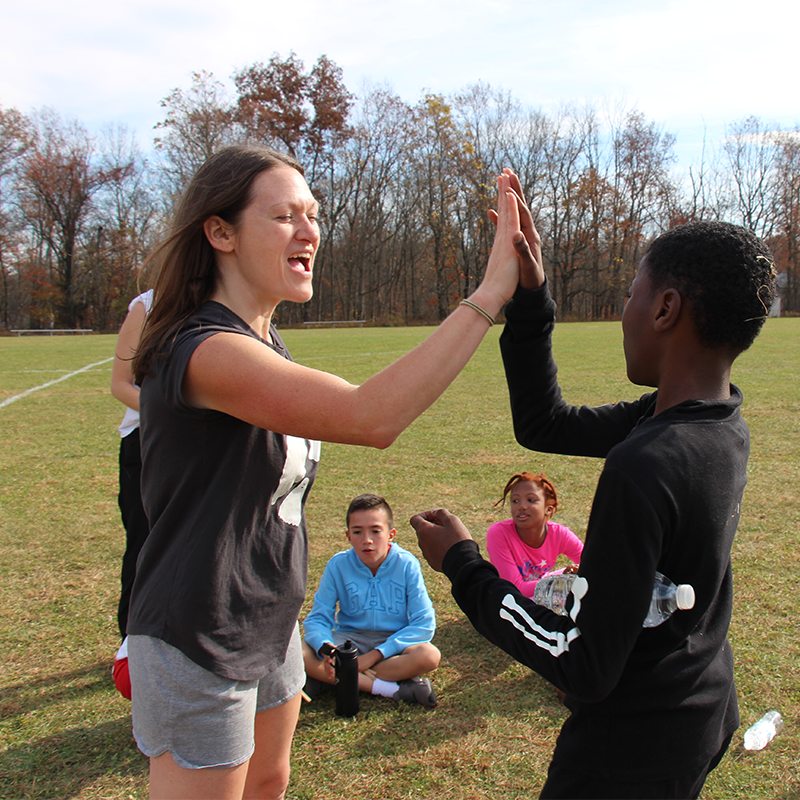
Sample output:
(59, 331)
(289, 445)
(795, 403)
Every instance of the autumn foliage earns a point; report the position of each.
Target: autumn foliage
(404, 190)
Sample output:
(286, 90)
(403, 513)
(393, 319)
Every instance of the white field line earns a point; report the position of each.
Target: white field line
(50, 383)
(106, 360)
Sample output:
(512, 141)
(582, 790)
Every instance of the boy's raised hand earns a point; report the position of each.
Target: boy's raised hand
(528, 243)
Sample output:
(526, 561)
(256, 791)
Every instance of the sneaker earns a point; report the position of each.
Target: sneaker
(416, 690)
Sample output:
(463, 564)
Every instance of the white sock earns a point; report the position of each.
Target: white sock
(384, 688)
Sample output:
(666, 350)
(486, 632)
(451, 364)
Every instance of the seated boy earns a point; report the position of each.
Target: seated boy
(383, 609)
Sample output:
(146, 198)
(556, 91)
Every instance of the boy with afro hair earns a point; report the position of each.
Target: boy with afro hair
(652, 710)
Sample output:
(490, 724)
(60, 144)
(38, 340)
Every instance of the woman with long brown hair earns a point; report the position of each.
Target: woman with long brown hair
(230, 431)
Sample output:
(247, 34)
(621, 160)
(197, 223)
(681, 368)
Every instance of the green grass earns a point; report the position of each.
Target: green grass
(64, 731)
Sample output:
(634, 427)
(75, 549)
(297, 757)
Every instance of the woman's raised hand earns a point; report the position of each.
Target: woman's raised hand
(502, 272)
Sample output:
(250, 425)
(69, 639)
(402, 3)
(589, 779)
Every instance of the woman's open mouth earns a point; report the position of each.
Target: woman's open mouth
(300, 262)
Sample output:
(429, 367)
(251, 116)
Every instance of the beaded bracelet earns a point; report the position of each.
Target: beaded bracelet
(485, 314)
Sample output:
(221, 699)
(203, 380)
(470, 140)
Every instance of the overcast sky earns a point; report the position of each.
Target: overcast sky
(692, 66)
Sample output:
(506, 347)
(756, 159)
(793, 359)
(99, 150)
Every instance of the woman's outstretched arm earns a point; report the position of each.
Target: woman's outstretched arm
(239, 376)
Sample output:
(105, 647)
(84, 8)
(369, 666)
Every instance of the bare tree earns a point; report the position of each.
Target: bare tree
(565, 213)
(440, 153)
(60, 179)
(750, 153)
(642, 156)
(199, 122)
(122, 228)
(359, 267)
(14, 141)
(485, 115)
(787, 244)
(699, 203)
(404, 192)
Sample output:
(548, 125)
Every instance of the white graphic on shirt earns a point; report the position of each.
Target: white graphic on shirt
(579, 588)
(293, 483)
(554, 642)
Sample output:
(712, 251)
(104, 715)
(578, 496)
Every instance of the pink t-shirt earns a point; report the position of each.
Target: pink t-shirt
(523, 565)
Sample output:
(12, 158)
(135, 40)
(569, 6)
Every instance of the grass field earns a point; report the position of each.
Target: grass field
(64, 731)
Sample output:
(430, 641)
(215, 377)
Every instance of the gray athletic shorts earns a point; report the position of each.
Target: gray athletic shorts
(201, 719)
(365, 641)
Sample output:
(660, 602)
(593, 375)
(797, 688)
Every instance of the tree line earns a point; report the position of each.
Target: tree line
(404, 191)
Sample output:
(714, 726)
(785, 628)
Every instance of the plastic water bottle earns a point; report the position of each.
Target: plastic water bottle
(667, 598)
(345, 662)
(758, 736)
(552, 592)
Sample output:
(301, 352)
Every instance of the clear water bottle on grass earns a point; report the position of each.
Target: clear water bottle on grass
(758, 736)
(552, 592)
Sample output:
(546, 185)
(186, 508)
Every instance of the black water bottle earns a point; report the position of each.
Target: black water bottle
(345, 662)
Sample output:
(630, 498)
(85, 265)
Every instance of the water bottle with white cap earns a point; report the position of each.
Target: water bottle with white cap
(667, 599)
(552, 592)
